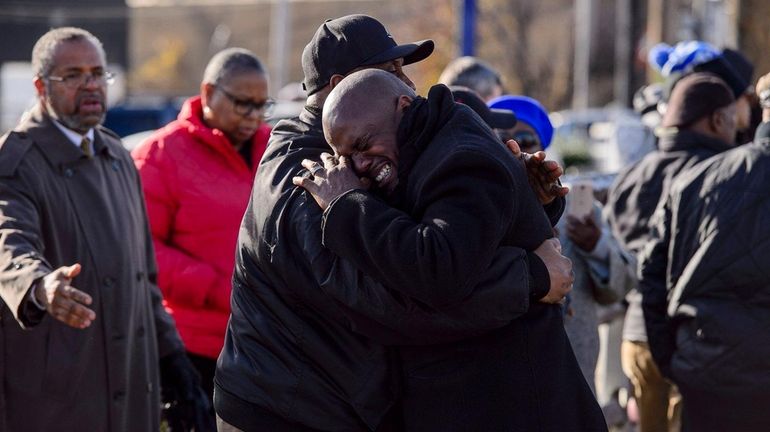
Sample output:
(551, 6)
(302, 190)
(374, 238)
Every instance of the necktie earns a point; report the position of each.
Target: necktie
(85, 145)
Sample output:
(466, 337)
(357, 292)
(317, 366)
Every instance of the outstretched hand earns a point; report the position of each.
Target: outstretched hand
(327, 182)
(63, 301)
(543, 174)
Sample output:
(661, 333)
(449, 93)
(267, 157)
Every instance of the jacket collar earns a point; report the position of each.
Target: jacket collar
(75, 137)
(313, 116)
(673, 139)
(191, 116)
(421, 121)
(763, 133)
(56, 147)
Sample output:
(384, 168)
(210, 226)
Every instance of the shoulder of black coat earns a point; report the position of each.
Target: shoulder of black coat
(14, 146)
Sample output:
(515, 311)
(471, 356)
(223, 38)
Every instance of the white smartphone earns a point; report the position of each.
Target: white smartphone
(580, 201)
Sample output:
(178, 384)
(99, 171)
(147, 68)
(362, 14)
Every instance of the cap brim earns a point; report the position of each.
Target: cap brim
(502, 119)
(411, 53)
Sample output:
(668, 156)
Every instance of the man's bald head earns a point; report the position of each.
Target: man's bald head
(367, 99)
(360, 120)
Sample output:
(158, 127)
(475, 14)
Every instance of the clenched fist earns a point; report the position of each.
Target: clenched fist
(559, 269)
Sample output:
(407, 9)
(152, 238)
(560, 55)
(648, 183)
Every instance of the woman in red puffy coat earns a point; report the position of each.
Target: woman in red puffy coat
(197, 174)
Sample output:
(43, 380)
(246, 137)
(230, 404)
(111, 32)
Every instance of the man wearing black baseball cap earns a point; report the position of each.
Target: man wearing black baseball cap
(291, 360)
(306, 347)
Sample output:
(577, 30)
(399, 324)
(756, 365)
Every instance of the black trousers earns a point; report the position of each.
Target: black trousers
(206, 368)
(704, 411)
(234, 414)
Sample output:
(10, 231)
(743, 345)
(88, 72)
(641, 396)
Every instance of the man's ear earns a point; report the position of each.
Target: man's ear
(404, 101)
(335, 79)
(717, 120)
(39, 87)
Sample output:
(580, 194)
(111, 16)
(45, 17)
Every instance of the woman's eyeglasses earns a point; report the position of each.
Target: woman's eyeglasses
(245, 107)
(526, 140)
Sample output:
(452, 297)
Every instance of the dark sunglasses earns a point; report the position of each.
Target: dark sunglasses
(244, 107)
(527, 140)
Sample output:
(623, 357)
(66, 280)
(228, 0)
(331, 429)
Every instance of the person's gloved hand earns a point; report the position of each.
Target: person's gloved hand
(187, 406)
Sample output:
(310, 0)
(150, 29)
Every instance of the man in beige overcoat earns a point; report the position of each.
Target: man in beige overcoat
(84, 337)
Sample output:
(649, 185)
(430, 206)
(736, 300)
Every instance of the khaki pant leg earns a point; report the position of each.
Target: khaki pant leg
(674, 410)
(651, 390)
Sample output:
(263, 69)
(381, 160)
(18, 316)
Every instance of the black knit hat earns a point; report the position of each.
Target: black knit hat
(694, 97)
(724, 69)
(740, 64)
(495, 118)
(343, 44)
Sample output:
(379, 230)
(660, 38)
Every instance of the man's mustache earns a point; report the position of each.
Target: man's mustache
(95, 97)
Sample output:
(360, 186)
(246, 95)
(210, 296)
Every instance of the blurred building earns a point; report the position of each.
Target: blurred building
(24, 21)
(740, 24)
(566, 53)
(171, 41)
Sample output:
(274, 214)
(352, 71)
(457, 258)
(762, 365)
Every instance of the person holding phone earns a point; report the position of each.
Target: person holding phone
(581, 232)
(586, 241)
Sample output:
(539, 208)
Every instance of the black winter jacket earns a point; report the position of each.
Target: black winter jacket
(462, 196)
(308, 335)
(636, 193)
(706, 274)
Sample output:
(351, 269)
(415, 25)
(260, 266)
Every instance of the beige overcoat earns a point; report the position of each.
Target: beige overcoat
(58, 207)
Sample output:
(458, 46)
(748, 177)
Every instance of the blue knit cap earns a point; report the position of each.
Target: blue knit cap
(682, 57)
(529, 111)
(697, 56)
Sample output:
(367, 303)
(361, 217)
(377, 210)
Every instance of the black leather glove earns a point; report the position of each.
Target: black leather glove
(186, 406)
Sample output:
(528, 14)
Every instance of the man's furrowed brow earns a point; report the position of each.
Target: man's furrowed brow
(362, 142)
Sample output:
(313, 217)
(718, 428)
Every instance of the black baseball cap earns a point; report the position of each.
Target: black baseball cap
(495, 118)
(346, 43)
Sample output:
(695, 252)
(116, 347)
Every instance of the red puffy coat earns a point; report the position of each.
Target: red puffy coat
(197, 187)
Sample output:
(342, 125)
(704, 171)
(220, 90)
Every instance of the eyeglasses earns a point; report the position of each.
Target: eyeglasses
(245, 107)
(78, 79)
(526, 140)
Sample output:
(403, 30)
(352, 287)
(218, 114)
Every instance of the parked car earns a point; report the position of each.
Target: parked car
(601, 140)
